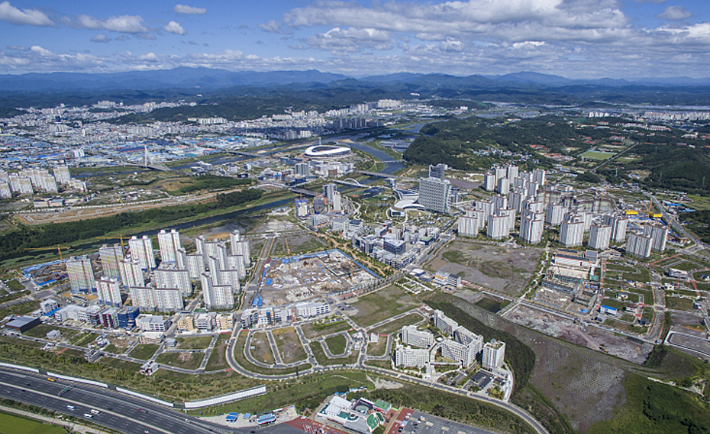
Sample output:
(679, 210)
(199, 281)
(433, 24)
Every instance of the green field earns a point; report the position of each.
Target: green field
(394, 326)
(15, 285)
(11, 424)
(144, 351)
(194, 343)
(336, 344)
(596, 155)
(322, 359)
(380, 305)
(184, 359)
(314, 330)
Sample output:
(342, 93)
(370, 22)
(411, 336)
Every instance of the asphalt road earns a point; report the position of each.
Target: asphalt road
(116, 411)
(420, 423)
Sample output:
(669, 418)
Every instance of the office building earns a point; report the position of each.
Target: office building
(639, 245)
(435, 194)
(397, 247)
(416, 338)
(109, 291)
(131, 272)
(301, 208)
(328, 191)
(444, 323)
(110, 257)
(81, 275)
(410, 357)
(464, 354)
(659, 236)
(571, 232)
(493, 355)
(142, 249)
(127, 317)
(337, 202)
(438, 171)
(169, 243)
(599, 236)
(153, 323)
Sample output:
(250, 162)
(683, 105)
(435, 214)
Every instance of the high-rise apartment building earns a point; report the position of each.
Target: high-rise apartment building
(169, 243)
(599, 236)
(110, 257)
(639, 245)
(81, 275)
(142, 249)
(493, 355)
(109, 291)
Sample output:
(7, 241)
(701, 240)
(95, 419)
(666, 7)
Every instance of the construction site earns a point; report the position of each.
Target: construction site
(303, 277)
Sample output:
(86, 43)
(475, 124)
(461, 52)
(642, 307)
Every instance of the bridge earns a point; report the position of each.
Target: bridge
(245, 154)
(160, 167)
(384, 175)
(390, 161)
(303, 191)
(352, 183)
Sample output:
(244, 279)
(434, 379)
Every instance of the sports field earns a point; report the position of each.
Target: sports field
(596, 155)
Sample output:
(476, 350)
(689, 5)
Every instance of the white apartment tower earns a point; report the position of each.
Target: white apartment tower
(169, 243)
(464, 354)
(444, 323)
(571, 232)
(168, 299)
(131, 272)
(618, 227)
(658, 234)
(171, 277)
(143, 297)
(599, 236)
(109, 291)
(493, 355)
(111, 256)
(216, 296)
(639, 245)
(81, 275)
(410, 357)
(416, 338)
(142, 249)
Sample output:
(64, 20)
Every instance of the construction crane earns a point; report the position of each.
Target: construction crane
(58, 247)
(120, 237)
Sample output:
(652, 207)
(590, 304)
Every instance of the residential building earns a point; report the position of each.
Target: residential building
(131, 272)
(599, 236)
(416, 338)
(464, 354)
(639, 245)
(410, 357)
(571, 233)
(168, 276)
(169, 243)
(493, 355)
(216, 296)
(466, 337)
(618, 227)
(109, 291)
(143, 297)
(659, 236)
(444, 323)
(142, 249)
(111, 256)
(168, 299)
(81, 275)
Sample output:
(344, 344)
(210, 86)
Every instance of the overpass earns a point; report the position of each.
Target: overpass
(245, 154)
(160, 167)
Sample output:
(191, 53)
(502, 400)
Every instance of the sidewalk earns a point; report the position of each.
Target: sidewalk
(71, 425)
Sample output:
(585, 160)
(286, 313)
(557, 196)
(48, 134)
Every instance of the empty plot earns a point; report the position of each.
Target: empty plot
(289, 345)
(381, 305)
(144, 351)
(218, 359)
(336, 344)
(260, 348)
(194, 343)
(325, 327)
(182, 359)
(597, 155)
(396, 325)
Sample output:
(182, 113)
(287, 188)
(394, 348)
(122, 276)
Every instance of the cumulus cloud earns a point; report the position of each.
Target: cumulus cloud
(121, 24)
(174, 27)
(675, 13)
(27, 17)
(189, 10)
(100, 38)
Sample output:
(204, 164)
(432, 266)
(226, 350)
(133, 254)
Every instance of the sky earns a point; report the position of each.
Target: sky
(572, 38)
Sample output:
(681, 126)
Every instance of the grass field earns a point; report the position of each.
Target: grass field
(183, 359)
(11, 424)
(381, 305)
(314, 330)
(194, 343)
(394, 326)
(596, 155)
(218, 359)
(243, 362)
(379, 348)
(336, 344)
(679, 303)
(491, 305)
(289, 345)
(85, 339)
(322, 359)
(41, 330)
(686, 266)
(144, 351)
(15, 285)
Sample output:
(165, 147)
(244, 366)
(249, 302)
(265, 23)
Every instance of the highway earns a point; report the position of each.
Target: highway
(117, 411)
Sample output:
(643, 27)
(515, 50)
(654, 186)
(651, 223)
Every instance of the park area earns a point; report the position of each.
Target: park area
(597, 155)
(499, 268)
(381, 305)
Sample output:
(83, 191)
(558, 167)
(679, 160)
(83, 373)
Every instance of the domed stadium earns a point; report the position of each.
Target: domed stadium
(327, 151)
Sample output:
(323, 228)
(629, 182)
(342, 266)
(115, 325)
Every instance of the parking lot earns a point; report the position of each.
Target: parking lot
(422, 423)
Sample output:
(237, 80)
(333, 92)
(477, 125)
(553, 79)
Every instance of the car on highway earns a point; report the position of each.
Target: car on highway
(88, 416)
(94, 411)
(71, 407)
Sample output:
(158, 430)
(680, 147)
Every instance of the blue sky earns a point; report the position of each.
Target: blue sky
(571, 38)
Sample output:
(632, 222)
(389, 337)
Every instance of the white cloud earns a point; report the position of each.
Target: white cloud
(189, 10)
(174, 27)
(121, 24)
(100, 38)
(28, 17)
(272, 26)
(343, 41)
(41, 51)
(675, 13)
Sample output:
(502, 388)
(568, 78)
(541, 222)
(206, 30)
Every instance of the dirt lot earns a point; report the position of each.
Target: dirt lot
(271, 224)
(381, 305)
(506, 270)
(260, 348)
(289, 345)
(592, 337)
(297, 244)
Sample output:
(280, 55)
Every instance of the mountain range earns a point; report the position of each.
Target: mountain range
(212, 79)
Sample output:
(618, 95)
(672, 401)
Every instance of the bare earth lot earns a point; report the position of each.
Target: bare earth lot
(506, 270)
(592, 337)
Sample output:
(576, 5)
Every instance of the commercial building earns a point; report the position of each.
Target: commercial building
(599, 236)
(493, 355)
(127, 317)
(22, 324)
(81, 275)
(438, 171)
(416, 338)
(153, 323)
(142, 249)
(435, 194)
(109, 291)
(410, 357)
(396, 247)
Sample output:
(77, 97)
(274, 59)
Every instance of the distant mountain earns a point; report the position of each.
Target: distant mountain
(184, 78)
